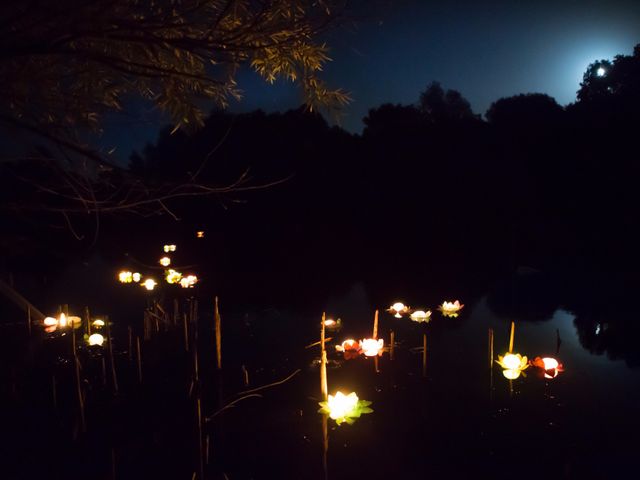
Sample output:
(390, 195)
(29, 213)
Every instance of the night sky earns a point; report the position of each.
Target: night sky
(486, 50)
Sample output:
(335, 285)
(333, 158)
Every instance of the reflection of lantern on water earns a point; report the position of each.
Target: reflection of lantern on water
(188, 282)
(551, 366)
(165, 261)
(398, 309)
(371, 347)
(125, 277)
(136, 277)
(149, 284)
(200, 234)
(421, 316)
(513, 364)
(96, 340)
(169, 248)
(450, 309)
(173, 277)
(345, 408)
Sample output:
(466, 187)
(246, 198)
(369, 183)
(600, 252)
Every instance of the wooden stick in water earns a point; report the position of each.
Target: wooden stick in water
(513, 331)
(324, 390)
(392, 342)
(185, 331)
(87, 315)
(29, 319)
(491, 348)
(218, 332)
(375, 325)
(245, 376)
(104, 371)
(139, 357)
(83, 425)
(112, 362)
(424, 354)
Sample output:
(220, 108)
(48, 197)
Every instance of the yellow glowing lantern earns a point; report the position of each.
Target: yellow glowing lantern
(62, 320)
(345, 408)
(349, 344)
(169, 248)
(136, 277)
(98, 323)
(200, 234)
(421, 316)
(372, 347)
(398, 309)
(74, 322)
(165, 261)
(189, 281)
(513, 364)
(149, 284)
(96, 340)
(172, 276)
(450, 309)
(125, 277)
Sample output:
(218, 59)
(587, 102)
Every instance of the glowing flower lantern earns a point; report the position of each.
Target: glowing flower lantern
(513, 364)
(189, 281)
(74, 322)
(169, 248)
(95, 340)
(172, 276)
(421, 316)
(345, 408)
(332, 325)
(149, 284)
(551, 366)
(200, 234)
(398, 309)
(450, 309)
(136, 277)
(125, 277)
(98, 323)
(350, 348)
(165, 261)
(50, 324)
(372, 347)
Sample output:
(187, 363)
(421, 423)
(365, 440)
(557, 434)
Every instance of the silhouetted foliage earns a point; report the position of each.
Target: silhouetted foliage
(525, 111)
(438, 105)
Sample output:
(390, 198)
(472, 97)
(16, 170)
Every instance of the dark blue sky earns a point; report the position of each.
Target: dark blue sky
(486, 50)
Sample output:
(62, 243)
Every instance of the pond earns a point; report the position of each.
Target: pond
(458, 418)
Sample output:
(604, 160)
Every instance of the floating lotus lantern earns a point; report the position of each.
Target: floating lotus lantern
(421, 316)
(398, 309)
(345, 408)
(50, 324)
(332, 325)
(372, 347)
(551, 366)
(450, 309)
(200, 234)
(149, 284)
(169, 248)
(165, 261)
(172, 276)
(189, 281)
(350, 348)
(136, 277)
(97, 323)
(513, 364)
(125, 277)
(95, 340)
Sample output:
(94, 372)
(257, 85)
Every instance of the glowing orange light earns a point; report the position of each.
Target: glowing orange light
(169, 248)
(165, 261)
(551, 366)
(200, 234)
(149, 284)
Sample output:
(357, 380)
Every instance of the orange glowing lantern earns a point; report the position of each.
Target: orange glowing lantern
(200, 234)
(50, 324)
(149, 284)
(169, 248)
(398, 309)
(165, 261)
(550, 366)
(350, 348)
(136, 277)
(372, 347)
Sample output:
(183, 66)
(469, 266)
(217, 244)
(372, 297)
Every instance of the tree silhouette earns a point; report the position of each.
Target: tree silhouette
(438, 105)
(525, 111)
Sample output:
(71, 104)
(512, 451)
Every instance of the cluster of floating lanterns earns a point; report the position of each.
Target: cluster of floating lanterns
(171, 276)
(448, 309)
(64, 322)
